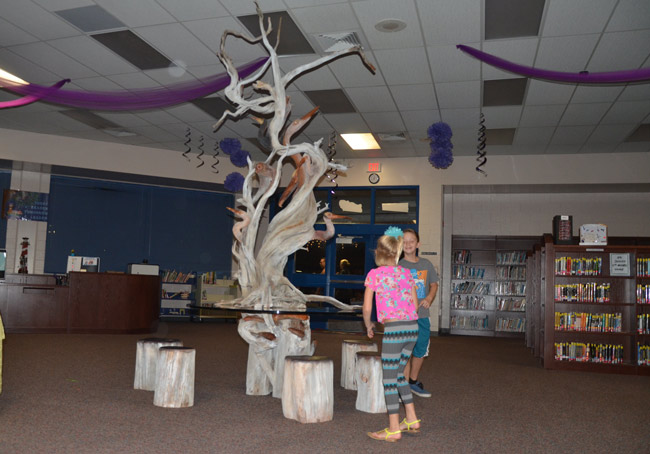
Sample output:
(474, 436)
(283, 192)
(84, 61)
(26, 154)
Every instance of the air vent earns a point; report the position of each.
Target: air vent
(392, 137)
(333, 42)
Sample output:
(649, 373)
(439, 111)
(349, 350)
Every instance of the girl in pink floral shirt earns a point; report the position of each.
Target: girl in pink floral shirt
(396, 300)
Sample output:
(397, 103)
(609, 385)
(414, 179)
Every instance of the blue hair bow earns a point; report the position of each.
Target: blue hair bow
(393, 231)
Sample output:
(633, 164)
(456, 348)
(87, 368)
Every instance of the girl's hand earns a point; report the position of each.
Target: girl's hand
(370, 330)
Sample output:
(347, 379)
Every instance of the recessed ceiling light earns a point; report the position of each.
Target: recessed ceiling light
(390, 25)
(365, 141)
(8, 76)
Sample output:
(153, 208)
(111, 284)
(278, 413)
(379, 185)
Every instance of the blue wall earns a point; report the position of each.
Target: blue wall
(124, 223)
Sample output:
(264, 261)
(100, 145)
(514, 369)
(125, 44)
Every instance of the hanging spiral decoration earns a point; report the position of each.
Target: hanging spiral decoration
(480, 149)
(332, 174)
(214, 156)
(188, 139)
(201, 152)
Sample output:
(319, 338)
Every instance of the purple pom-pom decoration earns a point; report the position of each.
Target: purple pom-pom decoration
(441, 159)
(229, 145)
(439, 131)
(239, 158)
(441, 146)
(234, 182)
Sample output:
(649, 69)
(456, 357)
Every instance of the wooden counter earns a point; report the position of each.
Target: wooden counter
(90, 303)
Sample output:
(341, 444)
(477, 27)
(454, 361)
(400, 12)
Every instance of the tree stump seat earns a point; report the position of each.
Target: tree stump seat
(175, 377)
(308, 391)
(146, 358)
(349, 359)
(370, 386)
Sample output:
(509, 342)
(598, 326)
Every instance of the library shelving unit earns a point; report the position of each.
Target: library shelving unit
(596, 308)
(536, 292)
(488, 285)
(209, 290)
(176, 293)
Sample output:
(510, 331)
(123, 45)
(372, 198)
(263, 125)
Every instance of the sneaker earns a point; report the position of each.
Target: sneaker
(418, 389)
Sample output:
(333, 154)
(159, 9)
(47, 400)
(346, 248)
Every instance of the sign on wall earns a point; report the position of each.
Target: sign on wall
(24, 206)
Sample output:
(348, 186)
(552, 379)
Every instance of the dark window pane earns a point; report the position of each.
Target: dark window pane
(308, 260)
(396, 206)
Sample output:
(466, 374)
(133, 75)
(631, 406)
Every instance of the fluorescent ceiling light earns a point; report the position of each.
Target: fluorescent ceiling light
(8, 76)
(364, 141)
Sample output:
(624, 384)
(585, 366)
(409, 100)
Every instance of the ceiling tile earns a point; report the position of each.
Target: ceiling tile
(414, 97)
(330, 101)
(584, 114)
(347, 123)
(351, 72)
(137, 13)
(133, 49)
(10, 35)
(448, 64)
(384, 121)
(512, 18)
(53, 60)
(322, 79)
(571, 135)
(461, 118)
(126, 119)
(502, 116)
(635, 92)
(420, 120)
(96, 84)
(292, 42)
(371, 99)
(537, 137)
(611, 134)
(36, 20)
(237, 7)
(504, 92)
(596, 93)
(630, 15)
(566, 53)
(624, 112)
(193, 9)
(542, 115)
(546, 93)
(455, 95)
(25, 69)
(370, 13)
(92, 54)
(392, 64)
(55, 5)
(570, 18)
(178, 44)
(620, 51)
(340, 17)
(450, 21)
(134, 81)
(157, 117)
(90, 18)
(521, 51)
(188, 112)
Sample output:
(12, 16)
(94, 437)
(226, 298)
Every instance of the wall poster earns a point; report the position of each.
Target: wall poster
(24, 206)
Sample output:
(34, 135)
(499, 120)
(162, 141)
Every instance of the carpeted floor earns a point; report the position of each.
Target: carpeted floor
(74, 394)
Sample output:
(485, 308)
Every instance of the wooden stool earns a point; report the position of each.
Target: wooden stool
(308, 391)
(175, 377)
(146, 356)
(370, 392)
(349, 359)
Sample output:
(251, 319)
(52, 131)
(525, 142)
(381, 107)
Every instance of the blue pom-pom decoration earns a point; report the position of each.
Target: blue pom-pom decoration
(439, 131)
(393, 231)
(234, 182)
(229, 145)
(441, 159)
(239, 158)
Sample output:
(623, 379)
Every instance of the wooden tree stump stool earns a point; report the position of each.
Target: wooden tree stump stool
(175, 377)
(308, 391)
(146, 356)
(349, 359)
(370, 386)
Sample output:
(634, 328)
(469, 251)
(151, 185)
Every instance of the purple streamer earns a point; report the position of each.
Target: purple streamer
(151, 98)
(32, 98)
(613, 77)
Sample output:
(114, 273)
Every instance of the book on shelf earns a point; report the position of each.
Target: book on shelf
(589, 352)
(588, 322)
(643, 267)
(589, 292)
(176, 277)
(578, 266)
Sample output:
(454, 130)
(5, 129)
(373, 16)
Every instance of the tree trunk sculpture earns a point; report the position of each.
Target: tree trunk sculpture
(260, 274)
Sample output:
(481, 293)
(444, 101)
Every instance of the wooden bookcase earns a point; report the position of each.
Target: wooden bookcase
(488, 285)
(594, 305)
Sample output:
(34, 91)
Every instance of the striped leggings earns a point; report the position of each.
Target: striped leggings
(396, 347)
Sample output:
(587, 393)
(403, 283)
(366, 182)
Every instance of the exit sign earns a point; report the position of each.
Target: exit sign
(374, 167)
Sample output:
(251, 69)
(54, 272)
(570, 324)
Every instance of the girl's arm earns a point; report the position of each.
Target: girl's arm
(367, 311)
(414, 297)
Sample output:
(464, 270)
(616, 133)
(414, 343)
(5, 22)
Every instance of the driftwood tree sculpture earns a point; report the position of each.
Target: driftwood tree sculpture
(260, 274)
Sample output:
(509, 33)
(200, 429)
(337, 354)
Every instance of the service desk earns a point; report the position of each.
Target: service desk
(90, 303)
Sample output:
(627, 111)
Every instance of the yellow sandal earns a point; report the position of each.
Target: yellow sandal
(375, 436)
(408, 429)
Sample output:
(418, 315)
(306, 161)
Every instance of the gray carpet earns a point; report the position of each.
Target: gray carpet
(74, 394)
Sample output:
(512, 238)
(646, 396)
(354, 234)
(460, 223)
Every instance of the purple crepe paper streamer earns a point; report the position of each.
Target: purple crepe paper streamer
(136, 100)
(32, 98)
(614, 77)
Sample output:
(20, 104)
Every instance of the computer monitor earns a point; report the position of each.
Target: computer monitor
(90, 264)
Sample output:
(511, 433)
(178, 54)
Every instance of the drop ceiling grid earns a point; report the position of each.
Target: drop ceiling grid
(90, 53)
(35, 20)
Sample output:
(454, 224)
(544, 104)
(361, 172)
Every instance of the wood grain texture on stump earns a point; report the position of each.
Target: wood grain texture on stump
(349, 359)
(146, 357)
(370, 386)
(308, 392)
(175, 377)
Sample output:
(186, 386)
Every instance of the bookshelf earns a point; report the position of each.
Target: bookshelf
(488, 285)
(177, 291)
(596, 308)
(211, 289)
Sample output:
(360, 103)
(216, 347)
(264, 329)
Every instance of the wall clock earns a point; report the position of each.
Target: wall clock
(373, 178)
